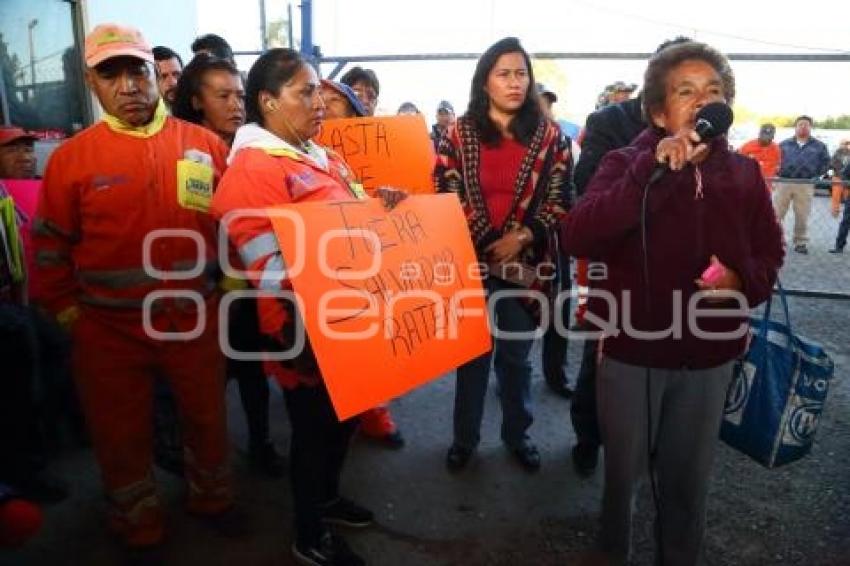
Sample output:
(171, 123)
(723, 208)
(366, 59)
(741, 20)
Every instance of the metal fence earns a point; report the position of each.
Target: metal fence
(817, 273)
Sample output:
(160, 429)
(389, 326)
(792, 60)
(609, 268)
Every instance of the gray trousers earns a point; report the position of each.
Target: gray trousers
(687, 407)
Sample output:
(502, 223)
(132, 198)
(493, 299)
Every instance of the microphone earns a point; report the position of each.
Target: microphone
(713, 120)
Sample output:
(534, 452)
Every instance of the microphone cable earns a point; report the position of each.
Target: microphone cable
(650, 449)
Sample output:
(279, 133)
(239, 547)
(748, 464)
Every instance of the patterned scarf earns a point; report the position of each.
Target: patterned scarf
(481, 226)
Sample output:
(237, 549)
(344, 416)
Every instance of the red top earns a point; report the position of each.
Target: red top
(497, 176)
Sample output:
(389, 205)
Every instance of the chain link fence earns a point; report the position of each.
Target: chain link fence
(818, 272)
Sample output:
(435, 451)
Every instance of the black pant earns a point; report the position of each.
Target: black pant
(554, 344)
(583, 406)
(244, 332)
(317, 453)
(22, 451)
(844, 227)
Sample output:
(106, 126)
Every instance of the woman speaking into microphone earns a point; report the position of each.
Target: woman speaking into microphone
(685, 228)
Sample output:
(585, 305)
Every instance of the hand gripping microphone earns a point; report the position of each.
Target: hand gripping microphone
(712, 120)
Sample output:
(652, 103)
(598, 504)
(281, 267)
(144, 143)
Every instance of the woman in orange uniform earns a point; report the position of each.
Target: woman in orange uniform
(273, 162)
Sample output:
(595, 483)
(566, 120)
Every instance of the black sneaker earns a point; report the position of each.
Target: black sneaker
(585, 458)
(528, 456)
(457, 457)
(331, 550)
(836, 250)
(347, 513)
(266, 459)
(801, 249)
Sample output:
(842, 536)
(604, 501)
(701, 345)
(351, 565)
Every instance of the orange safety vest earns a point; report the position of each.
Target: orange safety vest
(768, 157)
(260, 179)
(104, 192)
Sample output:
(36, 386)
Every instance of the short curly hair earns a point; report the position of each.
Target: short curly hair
(655, 77)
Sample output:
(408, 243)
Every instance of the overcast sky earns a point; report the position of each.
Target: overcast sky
(361, 27)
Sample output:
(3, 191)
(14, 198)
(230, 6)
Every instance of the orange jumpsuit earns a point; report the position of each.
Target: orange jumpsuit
(104, 192)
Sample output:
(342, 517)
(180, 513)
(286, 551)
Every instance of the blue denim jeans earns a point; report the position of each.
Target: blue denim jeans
(513, 372)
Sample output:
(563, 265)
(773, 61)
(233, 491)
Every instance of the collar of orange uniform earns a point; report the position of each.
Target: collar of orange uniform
(150, 129)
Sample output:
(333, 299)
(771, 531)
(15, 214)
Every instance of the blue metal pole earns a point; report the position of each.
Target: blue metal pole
(307, 29)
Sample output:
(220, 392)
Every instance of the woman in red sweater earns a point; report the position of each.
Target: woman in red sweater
(511, 168)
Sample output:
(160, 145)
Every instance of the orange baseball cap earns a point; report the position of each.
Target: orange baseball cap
(111, 40)
(8, 134)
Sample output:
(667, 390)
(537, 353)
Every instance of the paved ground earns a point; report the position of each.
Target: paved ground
(819, 270)
(494, 513)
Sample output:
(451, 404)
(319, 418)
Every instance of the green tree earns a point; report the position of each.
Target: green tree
(841, 122)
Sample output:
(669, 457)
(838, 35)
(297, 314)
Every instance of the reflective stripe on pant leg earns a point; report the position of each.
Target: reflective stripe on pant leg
(135, 513)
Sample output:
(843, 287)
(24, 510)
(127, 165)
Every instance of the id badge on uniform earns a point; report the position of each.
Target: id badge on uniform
(194, 185)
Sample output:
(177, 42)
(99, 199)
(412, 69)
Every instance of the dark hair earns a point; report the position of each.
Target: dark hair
(407, 107)
(671, 42)
(806, 118)
(360, 75)
(660, 64)
(189, 85)
(215, 44)
(529, 115)
(163, 53)
(270, 71)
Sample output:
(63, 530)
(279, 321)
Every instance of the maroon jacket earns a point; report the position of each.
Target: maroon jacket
(733, 220)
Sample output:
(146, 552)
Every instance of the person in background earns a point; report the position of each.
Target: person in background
(274, 161)
(17, 154)
(210, 93)
(661, 391)
(408, 108)
(555, 343)
(213, 44)
(169, 66)
(804, 159)
(546, 98)
(445, 118)
(364, 83)
(376, 423)
(763, 150)
(510, 167)
(841, 192)
(340, 101)
(841, 157)
(106, 191)
(620, 92)
(23, 451)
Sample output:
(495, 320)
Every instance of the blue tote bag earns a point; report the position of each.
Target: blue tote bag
(777, 392)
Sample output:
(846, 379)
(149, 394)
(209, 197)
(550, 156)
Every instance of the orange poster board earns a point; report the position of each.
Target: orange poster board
(390, 299)
(393, 151)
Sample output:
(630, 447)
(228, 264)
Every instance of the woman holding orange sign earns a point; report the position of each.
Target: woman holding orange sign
(273, 161)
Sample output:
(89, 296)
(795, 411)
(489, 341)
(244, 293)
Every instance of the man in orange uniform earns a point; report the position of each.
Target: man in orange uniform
(139, 303)
(764, 151)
